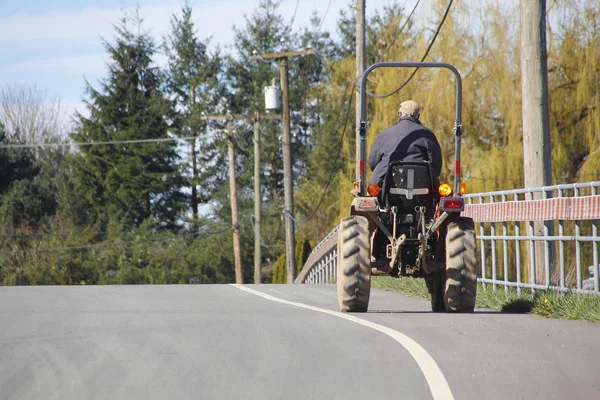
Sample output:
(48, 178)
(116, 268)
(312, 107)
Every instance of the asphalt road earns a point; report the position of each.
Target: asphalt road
(222, 342)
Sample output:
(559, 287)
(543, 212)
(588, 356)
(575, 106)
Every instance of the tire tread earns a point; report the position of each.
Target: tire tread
(354, 269)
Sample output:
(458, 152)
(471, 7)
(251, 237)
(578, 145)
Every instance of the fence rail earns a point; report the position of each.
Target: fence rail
(508, 258)
(501, 216)
(321, 264)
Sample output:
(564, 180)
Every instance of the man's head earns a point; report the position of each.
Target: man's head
(409, 107)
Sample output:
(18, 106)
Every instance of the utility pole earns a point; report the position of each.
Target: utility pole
(536, 133)
(239, 276)
(288, 184)
(194, 171)
(361, 55)
(257, 200)
(290, 244)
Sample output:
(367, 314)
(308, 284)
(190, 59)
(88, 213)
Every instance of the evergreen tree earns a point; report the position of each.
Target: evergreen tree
(15, 164)
(306, 95)
(194, 84)
(346, 25)
(264, 32)
(133, 181)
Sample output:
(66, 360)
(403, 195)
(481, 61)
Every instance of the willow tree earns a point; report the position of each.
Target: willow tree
(574, 88)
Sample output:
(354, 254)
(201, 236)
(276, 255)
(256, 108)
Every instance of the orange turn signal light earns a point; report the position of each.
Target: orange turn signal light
(373, 189)
(445, 190)
(463, 188)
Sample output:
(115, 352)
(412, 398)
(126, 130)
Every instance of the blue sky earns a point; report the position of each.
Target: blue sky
(56, 44)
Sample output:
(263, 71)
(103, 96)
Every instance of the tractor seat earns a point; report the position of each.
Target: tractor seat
(410, 184)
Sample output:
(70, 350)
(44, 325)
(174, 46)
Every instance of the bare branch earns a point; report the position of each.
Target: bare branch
(29, 115)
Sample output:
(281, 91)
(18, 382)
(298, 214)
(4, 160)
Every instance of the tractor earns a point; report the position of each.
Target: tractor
(410, 227)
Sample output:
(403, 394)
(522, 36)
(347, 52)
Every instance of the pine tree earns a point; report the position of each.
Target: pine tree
(346, 25)
(194, 84)
(15, 164)
(134, 181)
(264, 32)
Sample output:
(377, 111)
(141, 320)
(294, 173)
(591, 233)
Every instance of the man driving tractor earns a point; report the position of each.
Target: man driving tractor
(406, 140)
(405, 223)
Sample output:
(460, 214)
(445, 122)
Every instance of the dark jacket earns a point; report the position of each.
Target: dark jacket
(407, 140)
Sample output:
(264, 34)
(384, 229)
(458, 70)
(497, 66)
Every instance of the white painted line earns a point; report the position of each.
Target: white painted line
(440, 390)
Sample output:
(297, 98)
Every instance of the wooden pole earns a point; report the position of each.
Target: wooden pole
(288, 183)
(288, 188)
(257, 201)
(239, 278)
(536, 131)
(233, 190)
(360, 68)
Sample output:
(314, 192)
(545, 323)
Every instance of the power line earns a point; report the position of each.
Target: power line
(237, 140)
(339, 148)
(91, 233)
(112, 142)
(83, 247)
(399, 32)
(111, 244)
(325, 15)
(294, 16)
(382, 96)
(84, 233)
(260, 238)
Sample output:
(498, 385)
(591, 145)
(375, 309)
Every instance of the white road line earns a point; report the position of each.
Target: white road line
(440, 390)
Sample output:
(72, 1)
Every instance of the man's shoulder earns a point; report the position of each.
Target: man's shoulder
(415, 125)
(405, 125)
(387, 132)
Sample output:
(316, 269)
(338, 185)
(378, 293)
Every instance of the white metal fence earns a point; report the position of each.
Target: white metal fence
(549, 232)
(567, 261)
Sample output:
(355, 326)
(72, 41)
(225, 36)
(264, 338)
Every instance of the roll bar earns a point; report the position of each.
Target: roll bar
(361, 132)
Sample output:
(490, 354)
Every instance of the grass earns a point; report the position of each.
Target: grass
(564, 305)
(544, 303)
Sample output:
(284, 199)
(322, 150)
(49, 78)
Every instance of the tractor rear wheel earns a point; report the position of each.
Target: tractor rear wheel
(461, 266)
(354, 265)
(436, 285)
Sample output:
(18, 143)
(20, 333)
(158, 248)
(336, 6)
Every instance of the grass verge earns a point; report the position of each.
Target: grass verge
(545, 303)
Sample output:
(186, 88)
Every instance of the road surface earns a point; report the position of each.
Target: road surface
(227, 342)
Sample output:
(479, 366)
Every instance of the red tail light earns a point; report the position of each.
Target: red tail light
(452, 204)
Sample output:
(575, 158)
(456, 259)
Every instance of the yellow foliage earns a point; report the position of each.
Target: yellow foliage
(487, 54)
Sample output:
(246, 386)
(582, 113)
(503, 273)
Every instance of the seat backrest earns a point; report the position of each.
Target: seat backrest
(409, 184)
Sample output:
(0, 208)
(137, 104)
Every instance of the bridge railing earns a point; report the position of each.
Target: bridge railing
(321, 264)
(508, 236)
(505, 227)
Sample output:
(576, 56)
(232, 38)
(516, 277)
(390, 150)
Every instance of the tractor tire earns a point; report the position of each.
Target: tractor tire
(354, 265)
(436, 285)
(461, 266)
